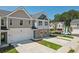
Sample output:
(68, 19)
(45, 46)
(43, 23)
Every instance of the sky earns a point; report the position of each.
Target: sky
(49, 10)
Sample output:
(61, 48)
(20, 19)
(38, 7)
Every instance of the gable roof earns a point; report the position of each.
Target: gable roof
(37, 15)
(4, 12)
(20, 12)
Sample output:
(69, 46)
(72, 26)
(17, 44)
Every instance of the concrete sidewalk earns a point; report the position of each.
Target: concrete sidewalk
(32, 47)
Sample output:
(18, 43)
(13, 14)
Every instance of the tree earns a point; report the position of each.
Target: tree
(67, 17)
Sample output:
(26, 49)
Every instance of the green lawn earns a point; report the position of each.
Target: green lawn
(9, 49)
(50, 45)
(67, 36)
(66, 39)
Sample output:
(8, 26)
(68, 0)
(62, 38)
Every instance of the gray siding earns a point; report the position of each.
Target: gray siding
(16, 23)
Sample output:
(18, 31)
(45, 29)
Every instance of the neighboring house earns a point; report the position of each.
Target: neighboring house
(58, 26)
(19, 25)
(75, 26)
(52, 26)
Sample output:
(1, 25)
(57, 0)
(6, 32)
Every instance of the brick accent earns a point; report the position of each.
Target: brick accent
(41, 33)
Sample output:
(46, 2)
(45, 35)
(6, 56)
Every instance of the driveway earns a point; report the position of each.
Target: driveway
(32, 47)
(57, 41)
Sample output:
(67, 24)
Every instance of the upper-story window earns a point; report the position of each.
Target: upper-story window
(59, 25)
(43, 17)
(2, 21)
(21, 22)
(10, 21)
(29, 21)
(46, 23)
(77, 25)
(40, 23)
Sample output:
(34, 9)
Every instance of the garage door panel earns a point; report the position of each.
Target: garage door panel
(16, 35)
(75, 31)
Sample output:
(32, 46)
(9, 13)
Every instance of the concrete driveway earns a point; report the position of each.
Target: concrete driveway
(57, 41)
(32, 47)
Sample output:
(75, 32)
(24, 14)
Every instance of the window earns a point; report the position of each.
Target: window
(2, 21)
(77, 25)
(10, 21)
(59, 25)
(21, 22)
(40, 23)
(43, 17)
(46, 23)
(29, 21)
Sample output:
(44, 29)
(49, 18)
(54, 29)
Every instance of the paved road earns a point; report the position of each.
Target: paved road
(32, 47)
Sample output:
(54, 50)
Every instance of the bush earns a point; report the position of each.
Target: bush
(56, 32)
(71, 51)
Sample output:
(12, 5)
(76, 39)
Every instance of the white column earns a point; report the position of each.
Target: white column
(7, 22)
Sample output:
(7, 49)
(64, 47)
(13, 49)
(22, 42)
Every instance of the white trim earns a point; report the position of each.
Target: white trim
(20, 9)
(19, 18)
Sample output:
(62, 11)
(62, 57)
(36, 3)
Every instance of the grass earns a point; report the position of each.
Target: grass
(67, 36)
(8, 49)
(66, 39)
(71, 51)
(50, 45)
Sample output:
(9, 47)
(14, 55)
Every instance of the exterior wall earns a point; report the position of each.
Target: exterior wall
(19, 13)
(43, 26)
(16, 23)
(75, 26)
(41, 33)
(19, 34)
(60, 25)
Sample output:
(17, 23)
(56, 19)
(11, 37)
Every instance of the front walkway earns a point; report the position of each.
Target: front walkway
(32, 47)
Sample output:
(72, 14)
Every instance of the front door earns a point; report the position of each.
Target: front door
(3, 38)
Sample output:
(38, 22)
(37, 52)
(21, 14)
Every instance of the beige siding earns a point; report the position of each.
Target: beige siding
(16, 23)
(19, 13)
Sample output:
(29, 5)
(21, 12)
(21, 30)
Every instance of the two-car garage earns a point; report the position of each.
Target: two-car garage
(19, 34)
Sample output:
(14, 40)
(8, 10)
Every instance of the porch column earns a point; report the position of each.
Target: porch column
(7, 22)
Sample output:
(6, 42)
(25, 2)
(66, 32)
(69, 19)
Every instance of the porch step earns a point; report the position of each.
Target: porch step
(5, 45)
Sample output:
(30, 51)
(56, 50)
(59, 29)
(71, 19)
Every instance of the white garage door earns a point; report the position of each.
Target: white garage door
(16, 35)
(75, 31)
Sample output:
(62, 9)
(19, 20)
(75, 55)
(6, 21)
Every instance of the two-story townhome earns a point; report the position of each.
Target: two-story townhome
(75, 26)
(42, 25)
(19, 25)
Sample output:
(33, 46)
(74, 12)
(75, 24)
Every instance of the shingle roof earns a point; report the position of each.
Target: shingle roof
(37, 15)
(4, 13)
(74, 21)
